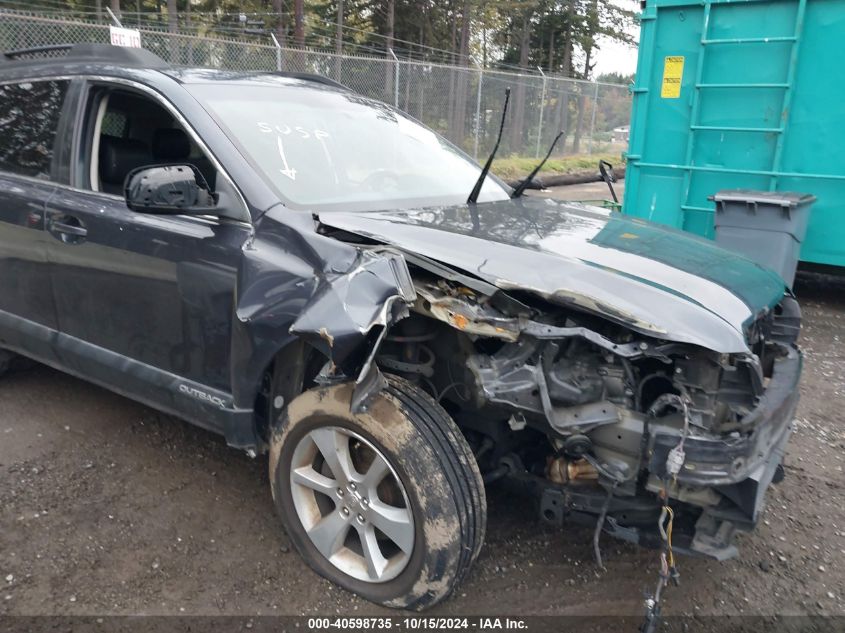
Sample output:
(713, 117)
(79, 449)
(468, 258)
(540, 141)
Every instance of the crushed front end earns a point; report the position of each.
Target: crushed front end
(599, 421)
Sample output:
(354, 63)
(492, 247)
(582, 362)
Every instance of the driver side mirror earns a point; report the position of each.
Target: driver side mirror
(169, 190)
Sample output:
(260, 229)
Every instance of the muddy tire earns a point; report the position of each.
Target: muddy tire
(388, 503)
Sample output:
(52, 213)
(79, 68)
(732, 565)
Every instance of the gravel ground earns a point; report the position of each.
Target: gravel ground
(108, 507)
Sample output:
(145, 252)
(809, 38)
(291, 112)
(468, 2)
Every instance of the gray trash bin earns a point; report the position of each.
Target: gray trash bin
(765, 226)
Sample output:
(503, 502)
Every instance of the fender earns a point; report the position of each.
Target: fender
(295, 284)
(349, 315)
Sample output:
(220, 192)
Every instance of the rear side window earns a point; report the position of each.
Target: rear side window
(29, 116)
(114, 124)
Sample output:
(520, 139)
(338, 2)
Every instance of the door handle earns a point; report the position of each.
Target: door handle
(67, 228)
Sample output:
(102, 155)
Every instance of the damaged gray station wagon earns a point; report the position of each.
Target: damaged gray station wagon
(298, 268)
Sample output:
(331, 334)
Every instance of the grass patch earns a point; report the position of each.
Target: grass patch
(515, 167)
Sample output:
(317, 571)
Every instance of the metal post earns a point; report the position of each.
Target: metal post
(114, 17)
(478, 112)
(542, 106)
(396, 87)
(278, 52)
(338, 63)
(593, 122)
(395, 78)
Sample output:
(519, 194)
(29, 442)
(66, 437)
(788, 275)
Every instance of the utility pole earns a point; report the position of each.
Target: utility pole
(278, 7)
(389, 69)
(339, 37)
(339, 40)
(188, 25)
(298, 31)
(463, 61)
(391, 8)
(517, 136)
(172, 16)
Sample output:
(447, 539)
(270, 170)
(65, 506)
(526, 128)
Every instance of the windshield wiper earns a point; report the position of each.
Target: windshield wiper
(523, 185)
(606, 171)
(476, 190)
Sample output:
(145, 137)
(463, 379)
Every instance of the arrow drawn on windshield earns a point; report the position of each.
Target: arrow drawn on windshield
(287, 171)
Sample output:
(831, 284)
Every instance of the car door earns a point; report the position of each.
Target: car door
(144, 302)
(27, 140)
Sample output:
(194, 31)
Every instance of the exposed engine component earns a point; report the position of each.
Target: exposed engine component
(576, 446)
(563, 471)
(600, 421)
(574, 389)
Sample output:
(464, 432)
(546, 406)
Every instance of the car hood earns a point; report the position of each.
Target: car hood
(653, 279)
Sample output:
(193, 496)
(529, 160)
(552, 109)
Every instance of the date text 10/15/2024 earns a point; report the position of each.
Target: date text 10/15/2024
(419, 623)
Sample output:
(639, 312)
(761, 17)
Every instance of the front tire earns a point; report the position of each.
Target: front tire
(387, 503)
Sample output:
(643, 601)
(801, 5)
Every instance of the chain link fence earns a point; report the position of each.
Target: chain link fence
(462, 103)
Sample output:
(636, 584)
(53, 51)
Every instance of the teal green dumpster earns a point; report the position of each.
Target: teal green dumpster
(740, 95)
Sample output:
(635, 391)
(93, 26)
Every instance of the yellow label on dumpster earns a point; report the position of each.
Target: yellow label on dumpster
(673, 72)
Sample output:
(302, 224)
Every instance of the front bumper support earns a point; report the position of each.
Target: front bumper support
(739, 467)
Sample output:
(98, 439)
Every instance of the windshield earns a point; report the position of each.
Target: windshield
(323, 148)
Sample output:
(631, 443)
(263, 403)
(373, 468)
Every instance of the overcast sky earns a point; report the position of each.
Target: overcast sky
(614, 57)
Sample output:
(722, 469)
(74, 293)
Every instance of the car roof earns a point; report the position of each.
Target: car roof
(103, 57)
(253, 77)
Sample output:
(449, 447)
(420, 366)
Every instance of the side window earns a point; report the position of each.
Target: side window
(29, 116)
(130, 130)
(114, 124)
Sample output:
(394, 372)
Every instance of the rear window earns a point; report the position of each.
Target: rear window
(29, 116)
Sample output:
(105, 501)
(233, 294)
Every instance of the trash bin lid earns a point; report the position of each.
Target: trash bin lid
(778, 198)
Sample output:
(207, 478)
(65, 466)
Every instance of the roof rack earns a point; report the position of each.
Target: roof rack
(121, 56)
(320, 79)
(103, 53)
(57, 50)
